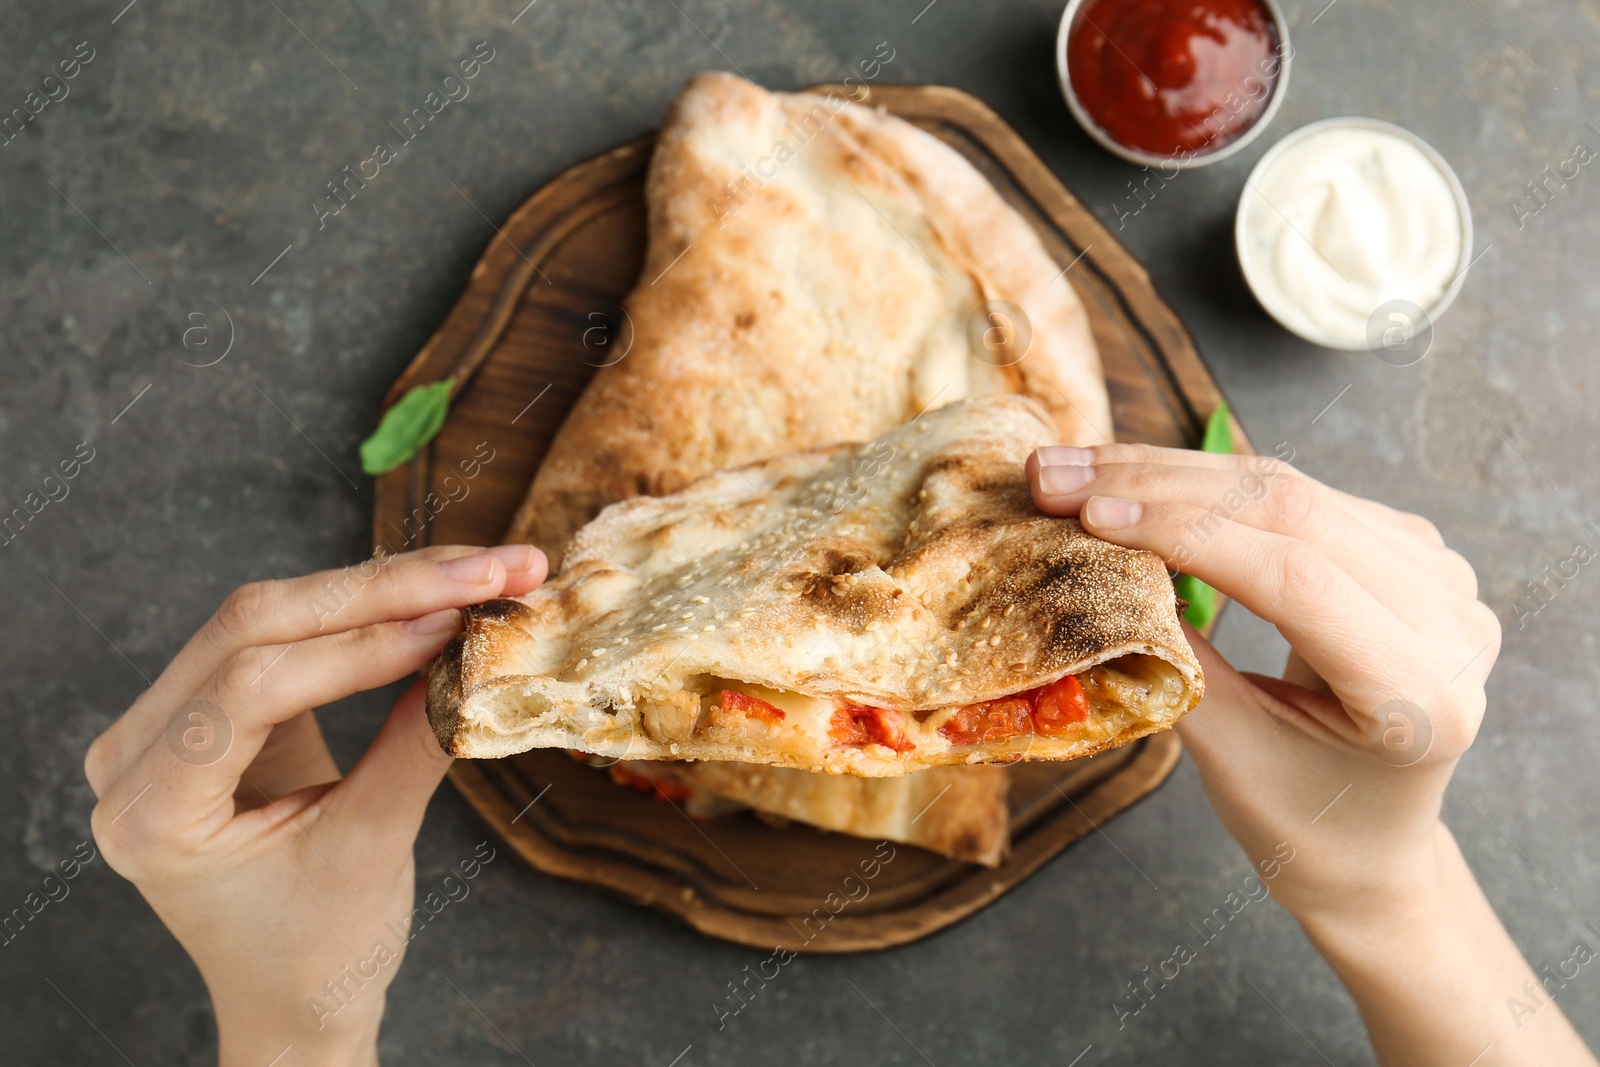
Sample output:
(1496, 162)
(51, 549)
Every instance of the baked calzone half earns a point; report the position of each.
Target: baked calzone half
(863, 609)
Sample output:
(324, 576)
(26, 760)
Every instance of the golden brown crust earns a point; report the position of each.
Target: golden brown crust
(867, 252)
(733, 313)
(912, 573)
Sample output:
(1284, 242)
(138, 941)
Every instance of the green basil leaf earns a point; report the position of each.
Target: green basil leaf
(1219, 433)
(406, 427)
(1201, 597)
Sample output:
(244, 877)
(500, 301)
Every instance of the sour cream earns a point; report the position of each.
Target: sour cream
(1346, 223)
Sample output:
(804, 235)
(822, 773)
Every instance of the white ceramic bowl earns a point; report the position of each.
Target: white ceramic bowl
(1280, 86)
(1241, 235)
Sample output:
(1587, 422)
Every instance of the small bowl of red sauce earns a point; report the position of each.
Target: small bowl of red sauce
(1173, 83)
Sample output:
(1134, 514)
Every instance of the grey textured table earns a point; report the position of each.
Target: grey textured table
(189, 156)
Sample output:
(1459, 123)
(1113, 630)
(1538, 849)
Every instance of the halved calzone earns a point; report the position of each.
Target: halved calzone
(868, 610)
(832, 300)
(829, 300)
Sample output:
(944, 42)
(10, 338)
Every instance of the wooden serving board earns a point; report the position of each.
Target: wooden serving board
(539, 314)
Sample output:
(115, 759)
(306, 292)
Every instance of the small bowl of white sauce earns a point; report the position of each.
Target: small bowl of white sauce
(1355, 234)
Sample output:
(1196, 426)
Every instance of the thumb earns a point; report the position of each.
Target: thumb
(1241, 709)
(387, 792)
(1231, 711)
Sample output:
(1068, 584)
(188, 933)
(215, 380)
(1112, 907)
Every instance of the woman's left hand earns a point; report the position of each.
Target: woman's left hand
(220, 801)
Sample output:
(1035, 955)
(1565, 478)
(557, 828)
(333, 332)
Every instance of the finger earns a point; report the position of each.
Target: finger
(1404, 533)
(525, 570)
(1231, 482)
(1288, 504)
(1231, 706)
(1414, 526)
(1296, 671)
(293, 757)
(1311, 706)
(192, 790)
(1400, 732)
(1241, 737)
(1324, 614)
(387, 793)
(380, 590)
(278, 612)
(1142, 457)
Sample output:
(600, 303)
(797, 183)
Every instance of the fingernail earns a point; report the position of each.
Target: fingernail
(1058, 481)
(469, 570)
(1112, 513)
(437, 622)
(517, 558)
(1065, 456)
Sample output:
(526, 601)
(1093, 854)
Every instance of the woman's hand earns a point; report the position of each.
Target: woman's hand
(1332, 776)
(1383, 690)
(220, 802)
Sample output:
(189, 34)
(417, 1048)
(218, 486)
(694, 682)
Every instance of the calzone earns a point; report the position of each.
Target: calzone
(870, 610)
(815, 272)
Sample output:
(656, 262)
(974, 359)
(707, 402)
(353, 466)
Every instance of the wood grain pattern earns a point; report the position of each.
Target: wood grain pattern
(540, 313)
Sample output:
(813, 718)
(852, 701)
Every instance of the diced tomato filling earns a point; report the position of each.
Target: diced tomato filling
(1051, 710)
(857, 724)
(1060, 706)
(991, 720)
(752, 707)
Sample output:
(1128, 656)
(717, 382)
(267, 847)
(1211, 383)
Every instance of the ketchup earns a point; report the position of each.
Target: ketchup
(1173, 77)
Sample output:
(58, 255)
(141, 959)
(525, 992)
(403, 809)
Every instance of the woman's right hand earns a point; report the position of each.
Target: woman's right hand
(1383, 689)
(1332, 776)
